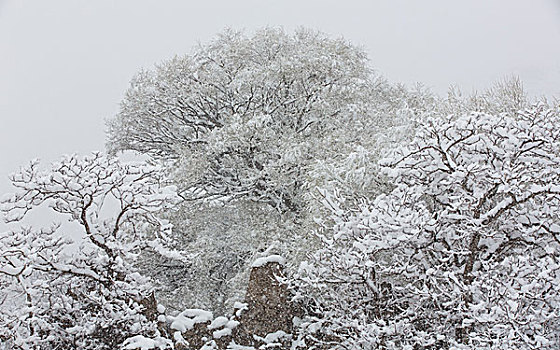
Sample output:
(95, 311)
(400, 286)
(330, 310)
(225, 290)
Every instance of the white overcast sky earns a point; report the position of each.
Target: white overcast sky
(64, 65)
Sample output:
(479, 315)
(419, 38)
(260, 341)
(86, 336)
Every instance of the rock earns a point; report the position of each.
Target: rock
(268, 305)
(265, 318)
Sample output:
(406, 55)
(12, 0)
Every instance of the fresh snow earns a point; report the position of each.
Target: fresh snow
(269, 259)
(188, 318)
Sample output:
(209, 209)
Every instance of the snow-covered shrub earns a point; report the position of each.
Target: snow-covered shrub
(75, 285)
(464, 253)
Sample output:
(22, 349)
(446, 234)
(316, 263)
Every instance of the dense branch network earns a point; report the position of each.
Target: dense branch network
(463, 253)
(244, 115)
(78, 281)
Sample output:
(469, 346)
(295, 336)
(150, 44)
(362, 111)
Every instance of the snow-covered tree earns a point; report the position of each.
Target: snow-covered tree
(463, 253)
(249, 126)
(75, 285)
(505, 96)
(240, 112)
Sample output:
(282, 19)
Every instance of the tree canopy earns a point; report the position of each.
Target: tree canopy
(462, 254)
(249, 126)
(76, 286)
(245, 114)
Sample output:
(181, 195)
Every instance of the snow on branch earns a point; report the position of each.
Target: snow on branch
(85, 291)
(464, 252)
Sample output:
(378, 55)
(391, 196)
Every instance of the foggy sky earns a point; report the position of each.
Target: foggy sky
(64, 65)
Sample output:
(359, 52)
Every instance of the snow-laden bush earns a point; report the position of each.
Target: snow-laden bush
(464, 253)
(75, 286)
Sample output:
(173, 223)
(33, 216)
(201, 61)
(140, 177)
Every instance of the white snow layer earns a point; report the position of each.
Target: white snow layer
(188, 318)
(269, 259)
